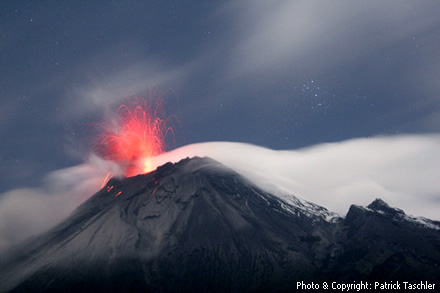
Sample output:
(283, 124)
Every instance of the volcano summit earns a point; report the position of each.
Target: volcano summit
(198, 226)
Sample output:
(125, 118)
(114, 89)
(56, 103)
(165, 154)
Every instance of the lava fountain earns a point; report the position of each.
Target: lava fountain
(138, 133)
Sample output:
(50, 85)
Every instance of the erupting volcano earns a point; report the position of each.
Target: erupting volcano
(136, 134)
(199, 226)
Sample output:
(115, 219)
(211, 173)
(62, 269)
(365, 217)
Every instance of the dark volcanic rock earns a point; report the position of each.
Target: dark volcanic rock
(198, 226)
(383, 243)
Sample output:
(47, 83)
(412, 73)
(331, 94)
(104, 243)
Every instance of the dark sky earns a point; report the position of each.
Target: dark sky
(279, 74)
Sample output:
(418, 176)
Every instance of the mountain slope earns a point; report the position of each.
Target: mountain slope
(195, 223)
(197, 226)
(383, 243)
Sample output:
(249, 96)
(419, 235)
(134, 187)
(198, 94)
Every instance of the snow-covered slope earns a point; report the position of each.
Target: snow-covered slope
(380, 207)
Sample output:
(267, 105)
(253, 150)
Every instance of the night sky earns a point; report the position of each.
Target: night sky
(278, 74)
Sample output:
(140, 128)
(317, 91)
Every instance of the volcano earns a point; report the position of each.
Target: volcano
(199, 226)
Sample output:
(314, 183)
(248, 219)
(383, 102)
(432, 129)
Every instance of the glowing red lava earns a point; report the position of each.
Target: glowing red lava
(138, 134)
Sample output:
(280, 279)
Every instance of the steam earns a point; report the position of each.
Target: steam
(402, 170)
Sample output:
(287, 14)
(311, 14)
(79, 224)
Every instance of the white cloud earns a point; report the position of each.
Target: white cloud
(402, 170)
(29, 211)
(324, 34)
